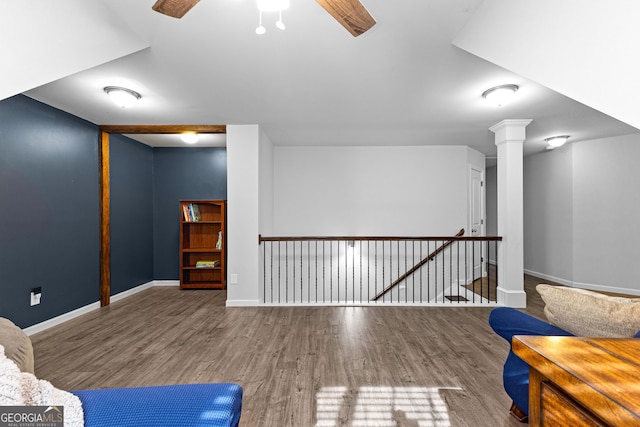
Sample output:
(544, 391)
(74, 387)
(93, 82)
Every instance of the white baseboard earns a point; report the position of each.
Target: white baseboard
(243, 303)
(39, 327)
(129, 292)
(581, 285)
(166, 283)
(603, 288)
(61, 319)
(559, 280)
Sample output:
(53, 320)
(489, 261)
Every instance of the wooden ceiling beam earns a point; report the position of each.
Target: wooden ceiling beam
(163, 129)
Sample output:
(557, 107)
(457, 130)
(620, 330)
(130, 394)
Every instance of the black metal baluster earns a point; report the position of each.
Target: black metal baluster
(435, 273)
(383, 278)
(450, 269)
(360, 248)
(368, 281)
(428, 275)
(279, 272)
(338, 262)
(421, 300)
(353, 271)
(473, 266)
(375, 269)
(458, 270)
(413, 276)
(324, 284)
(331, 270)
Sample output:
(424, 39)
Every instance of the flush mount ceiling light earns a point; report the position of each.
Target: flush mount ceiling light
(271, 6)
(189, 137)
(121, 96)
(499, 95)
(556, 141)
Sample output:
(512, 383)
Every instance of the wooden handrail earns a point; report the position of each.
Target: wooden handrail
(457, 237)
(413, 269)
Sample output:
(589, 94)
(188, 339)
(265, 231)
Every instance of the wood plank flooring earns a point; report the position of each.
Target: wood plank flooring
(298, 366)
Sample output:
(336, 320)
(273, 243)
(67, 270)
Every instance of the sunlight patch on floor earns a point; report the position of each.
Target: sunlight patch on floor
(384, 406)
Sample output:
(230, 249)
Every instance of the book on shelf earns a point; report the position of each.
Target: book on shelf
(219, 242)
(207, 264)
(191, 212)
(196, 212)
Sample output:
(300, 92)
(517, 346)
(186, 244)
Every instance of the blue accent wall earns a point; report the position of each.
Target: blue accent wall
(181, 174)
(49, 211)
(131, 173)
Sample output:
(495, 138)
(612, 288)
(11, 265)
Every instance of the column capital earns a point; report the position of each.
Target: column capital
(510, 130)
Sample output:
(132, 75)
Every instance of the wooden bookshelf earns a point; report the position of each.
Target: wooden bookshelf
(202, 244)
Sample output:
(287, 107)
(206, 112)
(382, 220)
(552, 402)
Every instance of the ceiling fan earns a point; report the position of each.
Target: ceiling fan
(351, 14)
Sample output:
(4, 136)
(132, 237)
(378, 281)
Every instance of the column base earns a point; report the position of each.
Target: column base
(515, 299)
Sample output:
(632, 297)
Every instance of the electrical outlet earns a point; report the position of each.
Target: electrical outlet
(36, 295)
(234, 279)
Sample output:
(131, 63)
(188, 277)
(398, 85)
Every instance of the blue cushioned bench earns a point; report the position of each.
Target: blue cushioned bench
(193, 405)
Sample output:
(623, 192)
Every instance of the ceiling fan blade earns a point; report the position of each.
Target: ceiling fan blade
(174, 8)
(351, 14)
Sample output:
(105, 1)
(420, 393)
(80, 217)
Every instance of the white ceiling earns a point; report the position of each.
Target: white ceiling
(401, 83)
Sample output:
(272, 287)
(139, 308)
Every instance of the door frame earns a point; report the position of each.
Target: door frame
(483, 214)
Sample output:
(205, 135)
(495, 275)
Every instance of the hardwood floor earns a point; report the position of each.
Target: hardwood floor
(298, 366)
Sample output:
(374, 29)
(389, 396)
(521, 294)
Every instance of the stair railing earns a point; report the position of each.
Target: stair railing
(357, 270)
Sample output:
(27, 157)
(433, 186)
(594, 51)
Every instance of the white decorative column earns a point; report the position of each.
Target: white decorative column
(509, 138)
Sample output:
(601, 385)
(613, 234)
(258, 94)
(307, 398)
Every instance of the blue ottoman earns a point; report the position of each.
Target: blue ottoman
(194, 405)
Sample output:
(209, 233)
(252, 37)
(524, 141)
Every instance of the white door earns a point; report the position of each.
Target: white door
(476, 221)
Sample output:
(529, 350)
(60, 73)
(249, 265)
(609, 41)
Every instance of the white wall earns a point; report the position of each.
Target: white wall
(265, 175)
(548, 214)
(581, 206)
(243, 176)
(392, 191)
(606, 212)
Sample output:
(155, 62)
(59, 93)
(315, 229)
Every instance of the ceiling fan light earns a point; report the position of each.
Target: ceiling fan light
(189, 137)
(279, 23)
(273, 5)
(122, 97)
(556, 141)
(499, 95)
(260, 30)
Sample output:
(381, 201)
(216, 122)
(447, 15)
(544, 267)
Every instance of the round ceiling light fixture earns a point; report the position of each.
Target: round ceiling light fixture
(189, 137)
(499, 95)
(556, 141)
(122, 97)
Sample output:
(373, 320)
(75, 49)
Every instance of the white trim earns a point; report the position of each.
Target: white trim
(602, 288)
(39, 327)
(550, 278)
(166, 283)
(511, 298)
(129, 292)
(588, 286)
(244, 303)
(42, 326)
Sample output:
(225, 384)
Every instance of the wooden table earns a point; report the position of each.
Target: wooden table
(582, 381)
